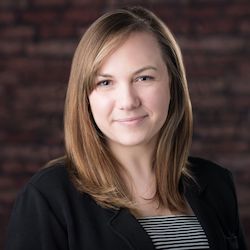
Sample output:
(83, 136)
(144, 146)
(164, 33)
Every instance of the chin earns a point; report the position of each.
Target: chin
(132, 142)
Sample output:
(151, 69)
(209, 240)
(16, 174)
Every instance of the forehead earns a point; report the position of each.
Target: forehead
(137, 49)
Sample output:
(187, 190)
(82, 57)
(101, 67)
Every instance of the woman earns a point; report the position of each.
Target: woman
(126, 181)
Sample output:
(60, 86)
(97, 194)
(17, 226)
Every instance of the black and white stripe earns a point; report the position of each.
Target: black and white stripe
(175, 232)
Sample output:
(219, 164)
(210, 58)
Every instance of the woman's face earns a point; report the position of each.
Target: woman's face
(131, 96)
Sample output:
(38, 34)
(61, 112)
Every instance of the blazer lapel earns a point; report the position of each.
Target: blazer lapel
(128, 228)
(206, 216)
(125, 225)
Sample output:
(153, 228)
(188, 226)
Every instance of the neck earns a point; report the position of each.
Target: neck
(136, 160)
(138, 171)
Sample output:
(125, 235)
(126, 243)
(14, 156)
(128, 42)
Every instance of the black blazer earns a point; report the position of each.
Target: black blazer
(50, 214)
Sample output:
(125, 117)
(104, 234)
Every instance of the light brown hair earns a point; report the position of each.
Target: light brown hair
(93, 168)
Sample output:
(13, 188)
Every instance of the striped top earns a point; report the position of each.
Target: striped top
(175, 232)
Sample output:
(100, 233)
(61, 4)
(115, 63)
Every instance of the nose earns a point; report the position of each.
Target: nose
(127, 97)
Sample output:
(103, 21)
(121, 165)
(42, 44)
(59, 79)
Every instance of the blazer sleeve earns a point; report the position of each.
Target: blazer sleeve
(33, 224)
(241, 237)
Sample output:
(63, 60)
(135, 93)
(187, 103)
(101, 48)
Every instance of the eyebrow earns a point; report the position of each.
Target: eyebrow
(135, 73)
(145, 68)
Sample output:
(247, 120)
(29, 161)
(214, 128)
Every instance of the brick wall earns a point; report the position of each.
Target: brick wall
(37, 41)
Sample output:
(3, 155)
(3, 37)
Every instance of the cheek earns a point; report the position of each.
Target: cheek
(100, 106)
(158, 101)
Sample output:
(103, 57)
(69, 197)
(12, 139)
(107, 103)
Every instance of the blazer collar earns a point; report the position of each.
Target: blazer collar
(126, 226)
(195, 194)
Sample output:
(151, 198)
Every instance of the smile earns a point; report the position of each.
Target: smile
(131, 120)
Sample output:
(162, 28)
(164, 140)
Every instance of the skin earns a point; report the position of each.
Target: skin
(131, 96)
(130, 105)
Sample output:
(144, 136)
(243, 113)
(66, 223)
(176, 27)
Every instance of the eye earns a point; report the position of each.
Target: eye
(144, 78)
(104, 83)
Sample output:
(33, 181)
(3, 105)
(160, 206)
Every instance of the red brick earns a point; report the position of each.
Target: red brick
(20, 32)
(236, 163)
(215, 131)
(23, 64)
(243, 197)
(87, 2)
(7, 3)
(244, 26)
(38, 73)
(219, 44)
(7, 197)
(33, 153)
(240, 85)
(52, 48)
(217, 27)
(6, 182)
(238, 9)
(48, 99)
(210, 149)
(6, 17)
(244, 67)
(11, 167)
(39, 16)
(165, 12)
(8, 78)
(9, 48)
(200, 12)
(48, 3)
(242, 102)
(57, 31)
(20, 4)
(81, 15)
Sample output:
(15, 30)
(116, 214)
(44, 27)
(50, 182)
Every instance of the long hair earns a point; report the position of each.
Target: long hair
(93, 168)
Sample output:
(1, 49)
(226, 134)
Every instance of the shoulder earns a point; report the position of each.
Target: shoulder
(207, 169)
(51, 176)
(215, 183)
(52, 183)
(51, 172)
(51, 191)
(206, 172)
(216, 191)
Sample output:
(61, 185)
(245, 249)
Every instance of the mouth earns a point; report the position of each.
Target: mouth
(131, 120)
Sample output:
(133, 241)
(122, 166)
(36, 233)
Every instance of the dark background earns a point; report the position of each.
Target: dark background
(37, 41)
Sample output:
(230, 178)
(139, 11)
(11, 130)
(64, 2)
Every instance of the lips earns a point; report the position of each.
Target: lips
(131, 120)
